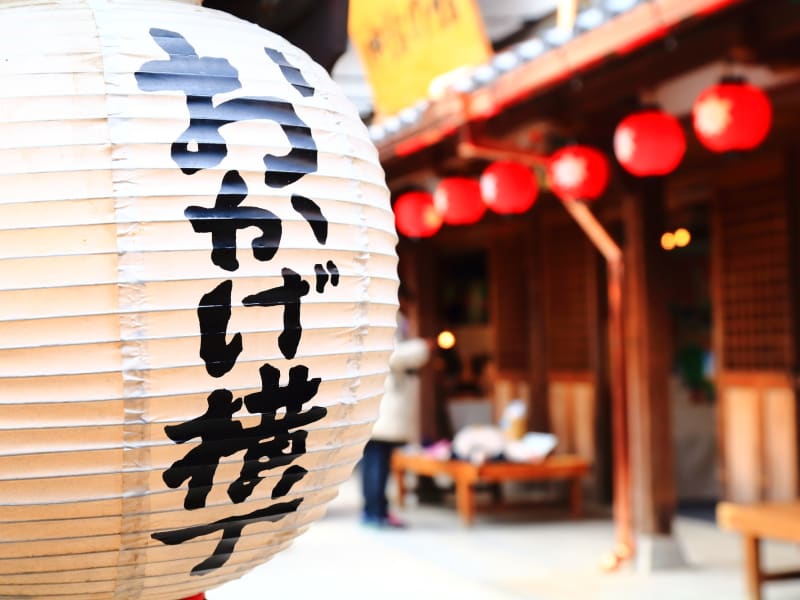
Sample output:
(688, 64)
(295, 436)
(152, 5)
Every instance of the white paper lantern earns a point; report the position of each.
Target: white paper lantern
(165, 170)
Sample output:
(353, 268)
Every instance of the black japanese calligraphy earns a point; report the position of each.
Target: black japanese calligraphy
(201, 146)
(227, 217)
(231, 528)
(220, 436)
(288, 295)
(322, 275)
(292, 74)
(274, 442)
(214, 313)
(312, 213)
(278, 437)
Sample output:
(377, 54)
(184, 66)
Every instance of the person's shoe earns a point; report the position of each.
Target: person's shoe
(372, 522)
(393, 522)
(387, 522)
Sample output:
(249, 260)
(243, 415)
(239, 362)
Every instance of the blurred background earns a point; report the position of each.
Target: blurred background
(597, 203)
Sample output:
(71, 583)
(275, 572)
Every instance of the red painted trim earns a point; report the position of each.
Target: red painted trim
(626, 33)
(647, 38)
(714, 7)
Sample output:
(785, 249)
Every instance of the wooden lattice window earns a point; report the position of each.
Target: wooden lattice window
(754, 278)
(569, 278)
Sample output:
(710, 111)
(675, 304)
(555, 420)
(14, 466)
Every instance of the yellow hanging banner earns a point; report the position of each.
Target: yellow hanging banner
(406, 44)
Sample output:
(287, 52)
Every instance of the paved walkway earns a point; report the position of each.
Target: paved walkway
(500, 558)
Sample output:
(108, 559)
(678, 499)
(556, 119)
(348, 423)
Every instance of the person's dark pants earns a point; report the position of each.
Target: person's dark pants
(374, 477)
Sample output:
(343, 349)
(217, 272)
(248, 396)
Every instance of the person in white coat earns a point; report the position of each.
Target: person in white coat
(397, 423)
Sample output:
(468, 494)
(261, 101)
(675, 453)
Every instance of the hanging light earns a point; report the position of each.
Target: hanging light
(508, 188)
(732, 115)
(446, 340)
(682, 237)
(650, 142)
(578, 172)
(458, 200)
(416, 216)
(197, 309)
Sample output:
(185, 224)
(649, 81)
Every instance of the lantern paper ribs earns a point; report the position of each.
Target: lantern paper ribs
(198, 302)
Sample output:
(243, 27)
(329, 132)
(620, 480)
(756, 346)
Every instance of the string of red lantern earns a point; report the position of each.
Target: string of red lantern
(732, 115)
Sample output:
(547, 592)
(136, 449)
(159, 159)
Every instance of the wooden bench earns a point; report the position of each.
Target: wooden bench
(769, 520)
(466, 475)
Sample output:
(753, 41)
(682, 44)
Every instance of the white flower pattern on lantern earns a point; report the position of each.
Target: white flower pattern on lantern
(713, 115)
(489, 188)
(440, 201)
(431, 217)
(570, 171)
(624, 144)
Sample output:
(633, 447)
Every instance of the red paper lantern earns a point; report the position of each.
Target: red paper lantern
(459, 201)
(732, 115)
(508, 188)
(415, 215)
(578, 173)
(650, 142)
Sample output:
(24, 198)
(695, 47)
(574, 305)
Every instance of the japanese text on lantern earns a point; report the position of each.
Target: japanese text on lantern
(278, 438)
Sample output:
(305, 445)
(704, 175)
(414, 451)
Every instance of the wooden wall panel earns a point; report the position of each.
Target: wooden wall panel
(755, 279)
(570, 298)
(508, 275)
(780, 444)
(560, 410)
(759, 438)
(570, 301)
(753, 283)
(741, 443)
(572, 407)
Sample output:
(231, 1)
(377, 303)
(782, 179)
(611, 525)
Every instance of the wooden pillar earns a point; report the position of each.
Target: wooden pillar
(539, 417)
(648, 356)
(418, 272)
(792, 196)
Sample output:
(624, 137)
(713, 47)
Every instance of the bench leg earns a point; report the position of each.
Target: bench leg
(752, 566)
(576, 498)
(400, 480)
(465, 500)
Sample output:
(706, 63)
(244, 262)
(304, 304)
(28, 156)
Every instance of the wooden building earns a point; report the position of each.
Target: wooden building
(726, 302)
